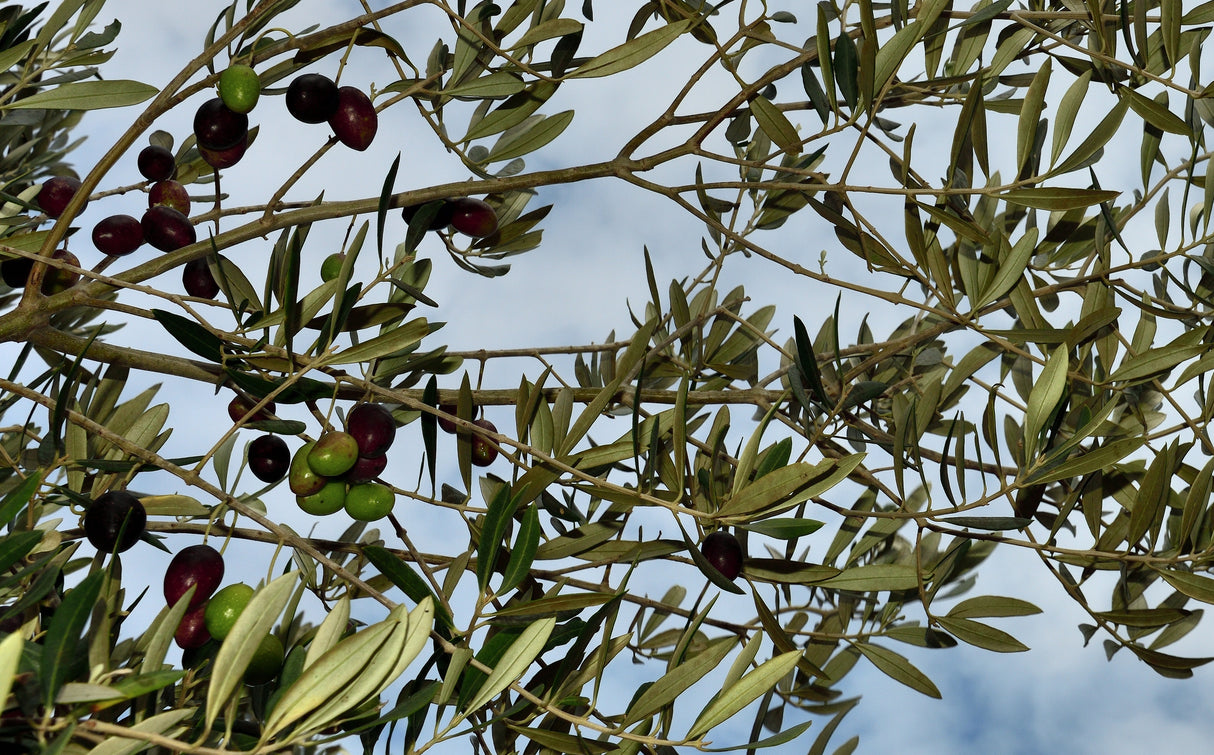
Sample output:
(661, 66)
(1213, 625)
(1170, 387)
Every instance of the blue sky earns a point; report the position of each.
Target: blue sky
(1060, 697)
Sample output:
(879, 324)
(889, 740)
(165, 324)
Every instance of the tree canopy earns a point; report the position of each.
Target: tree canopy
(1032, 372)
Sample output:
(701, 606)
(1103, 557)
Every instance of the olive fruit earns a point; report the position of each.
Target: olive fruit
(57, 279)
(355, 121)
(372, 427)
(447, 425)
(239, 88)
(484, 450)
(333, 454)
(266, 662)
(16, 271)
(269, 458)
(724, 552)
(329, 499)
(117, 235)
(167, 229)
(199, 565)
(156, 163)
(241, 405)
(331, 267)
(439, 220)
(369, 501)
(312, 98)
(192, 631)
(301, 479)
(225, 607)
(55, 194)
(216, 126)
(224, 158)
(114, 521)
(366, 469)
(171, 194)
(198, 281)
(473, 217)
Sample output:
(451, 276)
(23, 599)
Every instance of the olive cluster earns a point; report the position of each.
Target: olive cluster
(484, 450)
(338, 470)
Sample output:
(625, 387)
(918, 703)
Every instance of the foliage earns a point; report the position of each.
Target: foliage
(1047, 387)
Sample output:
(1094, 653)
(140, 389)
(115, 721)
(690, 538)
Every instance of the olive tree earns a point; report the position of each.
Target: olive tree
(1035, 375)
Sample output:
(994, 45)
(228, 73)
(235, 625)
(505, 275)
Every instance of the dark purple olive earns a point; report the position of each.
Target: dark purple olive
(156, 163)
(114, 521)
(198, 281)
(372, 427)
(224, 158)
(170, 193)
(448, 426)
(312, 98)
(269, 458)
(366, 470)
(199, 565)
(192, 631)
(55, 194)
(240, 405)
(484, 450)
(473, 217)
(216, 126)
(118, 235)
(355, 121)
(167, 229)
(441, 219)
(724, 552)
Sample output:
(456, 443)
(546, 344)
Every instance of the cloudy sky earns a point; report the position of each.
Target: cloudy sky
(1060, 697)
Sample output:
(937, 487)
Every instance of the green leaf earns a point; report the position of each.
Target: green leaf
(1050, 198)
(748, 689)
(786, 487)
(630, 54)
(496, 84)
(241, 644)
(1154, 113)
(529, 136)
(383, 345)
(522, 653)
(10, 655)
(981, 635)
(550, 29)
(992, 605)
(20, 496)
(1102, 457)
(1195, 586)
(551, 605)
(678, 680)
(1154, 361)
(896, 48)
(87, 95)
(381, 212)
(403, 576)
(61, 648)
(170, 723)
(523, 553)
(875, 577)
(898, 668)
(784, 529)
(17, 546)
(783, 737)
(493, 529)
(191, 335)
(776, 125)
(332, 672)
(1044, 397)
